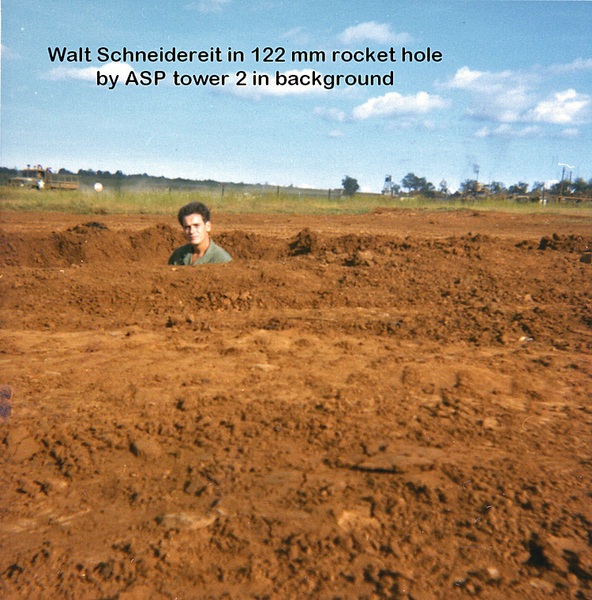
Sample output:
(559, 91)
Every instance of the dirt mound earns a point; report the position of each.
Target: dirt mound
(249, 246)
(391, 406)
(94, 242)
(91, 242)
(306, 241)
(567, 243)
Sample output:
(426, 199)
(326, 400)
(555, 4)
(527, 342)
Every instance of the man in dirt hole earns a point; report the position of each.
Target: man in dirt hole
(195, 220)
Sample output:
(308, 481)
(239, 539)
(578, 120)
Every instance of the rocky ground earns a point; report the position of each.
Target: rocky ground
(387, 406)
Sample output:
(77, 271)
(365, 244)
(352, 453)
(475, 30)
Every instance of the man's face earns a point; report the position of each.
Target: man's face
(196, 231)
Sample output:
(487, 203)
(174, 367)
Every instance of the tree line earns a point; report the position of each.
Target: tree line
(472, 187)
(411, 184)
(564, 187)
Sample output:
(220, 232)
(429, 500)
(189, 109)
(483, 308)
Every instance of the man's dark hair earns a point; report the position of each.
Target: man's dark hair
(194, 208)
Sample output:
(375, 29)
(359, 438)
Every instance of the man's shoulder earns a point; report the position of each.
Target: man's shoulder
(215, 254)
(178, 256)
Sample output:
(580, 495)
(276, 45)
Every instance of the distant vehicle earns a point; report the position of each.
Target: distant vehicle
(36, 177)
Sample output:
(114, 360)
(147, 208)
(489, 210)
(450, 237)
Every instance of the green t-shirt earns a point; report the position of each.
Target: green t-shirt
(214, 254)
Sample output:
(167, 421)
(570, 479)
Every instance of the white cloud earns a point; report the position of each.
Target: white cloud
(63, 73)
(116, 68)
(485, 82)
(507, 131)
(331, 114)
(336, 133)
(501, 97)
(563, 108)
(466, 79)
(568, 133)
(207, 6)
(7, 53)
(394, 103)
(579, 65)
(515, 97)
(373, 32)
(88, 73)
(506, 107)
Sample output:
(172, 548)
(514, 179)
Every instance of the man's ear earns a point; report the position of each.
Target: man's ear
(208, 226)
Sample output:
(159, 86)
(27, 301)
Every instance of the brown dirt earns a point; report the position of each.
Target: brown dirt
(389, 406)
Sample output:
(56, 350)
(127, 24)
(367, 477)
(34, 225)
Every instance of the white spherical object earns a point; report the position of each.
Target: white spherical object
(98, 187)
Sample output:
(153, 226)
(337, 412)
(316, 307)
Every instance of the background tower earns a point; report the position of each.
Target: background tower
(387, 188)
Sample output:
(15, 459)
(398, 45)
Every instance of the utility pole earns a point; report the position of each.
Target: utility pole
(563, 178)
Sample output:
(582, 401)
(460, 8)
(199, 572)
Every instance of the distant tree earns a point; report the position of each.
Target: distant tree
(412, 182)
(396, 188)
(427, 189)
(580, 185)
(560, 187)
(470, 186)
(518, 188)
(496, 187)
(350, 186)
(443, 189)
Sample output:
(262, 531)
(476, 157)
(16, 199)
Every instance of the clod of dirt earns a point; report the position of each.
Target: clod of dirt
(146, 448)
(305, 243)
(5, 403)
(93, 224)
(401, 462)
(187, 521)
(363, 258)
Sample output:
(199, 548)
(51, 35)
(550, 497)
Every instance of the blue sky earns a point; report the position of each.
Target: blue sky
(510, 99)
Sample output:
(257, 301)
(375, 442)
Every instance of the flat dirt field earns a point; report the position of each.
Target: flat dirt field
(395, 405)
